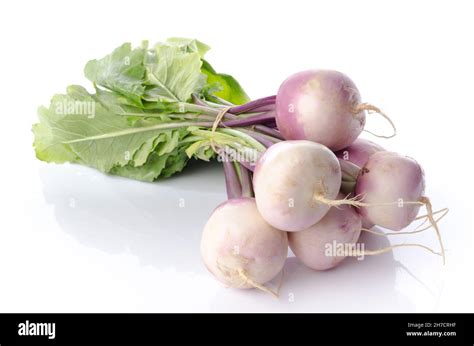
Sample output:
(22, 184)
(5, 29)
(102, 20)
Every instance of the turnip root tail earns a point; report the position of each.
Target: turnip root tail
(429, 210)
(243, 275)
(444, 211)
(357, 202)
(241, 278)
(371, 109)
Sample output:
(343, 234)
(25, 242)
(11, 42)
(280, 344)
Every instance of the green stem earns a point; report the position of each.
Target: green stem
(247, 138)
(192, 108)
(349, 170)
(347, 187)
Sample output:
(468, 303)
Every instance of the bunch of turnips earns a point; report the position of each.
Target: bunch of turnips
(318, 186)
(297, 173)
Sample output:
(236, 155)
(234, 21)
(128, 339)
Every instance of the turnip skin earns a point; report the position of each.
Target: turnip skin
(386, 178)
(288, 177)
(321, 106)
(342, 225)
(359, 152)
(366, 224)
(236, 239)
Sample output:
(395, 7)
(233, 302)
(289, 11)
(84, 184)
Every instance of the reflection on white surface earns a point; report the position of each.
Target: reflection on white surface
(368, 285)
(160, 224)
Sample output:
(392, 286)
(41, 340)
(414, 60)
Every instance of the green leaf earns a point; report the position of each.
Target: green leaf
(168, 158)
(121, 71)
(173, 74)
(228, 87)
(167, 73)
(156, 167)
(222, 85)
(103, 139)
(46, 145)
(174, 164)
(118, 104)
(189, 45)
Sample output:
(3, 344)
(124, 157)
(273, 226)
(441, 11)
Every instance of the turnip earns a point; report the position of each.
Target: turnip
(292, 180)
(323, 106)
(240, 249)
(359, 151)
(390, 177)
(341, 226)
(391, 187)
(327, 243)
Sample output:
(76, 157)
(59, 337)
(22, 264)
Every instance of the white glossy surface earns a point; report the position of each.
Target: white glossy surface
(74, 240)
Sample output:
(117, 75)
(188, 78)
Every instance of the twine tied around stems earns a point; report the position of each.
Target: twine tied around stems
(216, 123)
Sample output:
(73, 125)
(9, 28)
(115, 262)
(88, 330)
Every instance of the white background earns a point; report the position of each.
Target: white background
(75, 240)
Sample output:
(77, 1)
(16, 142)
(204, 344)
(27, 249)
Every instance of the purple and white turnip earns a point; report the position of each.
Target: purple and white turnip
(239, 248)
(289, 178)
(316, 246)
(387, 177)
(323, 106)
